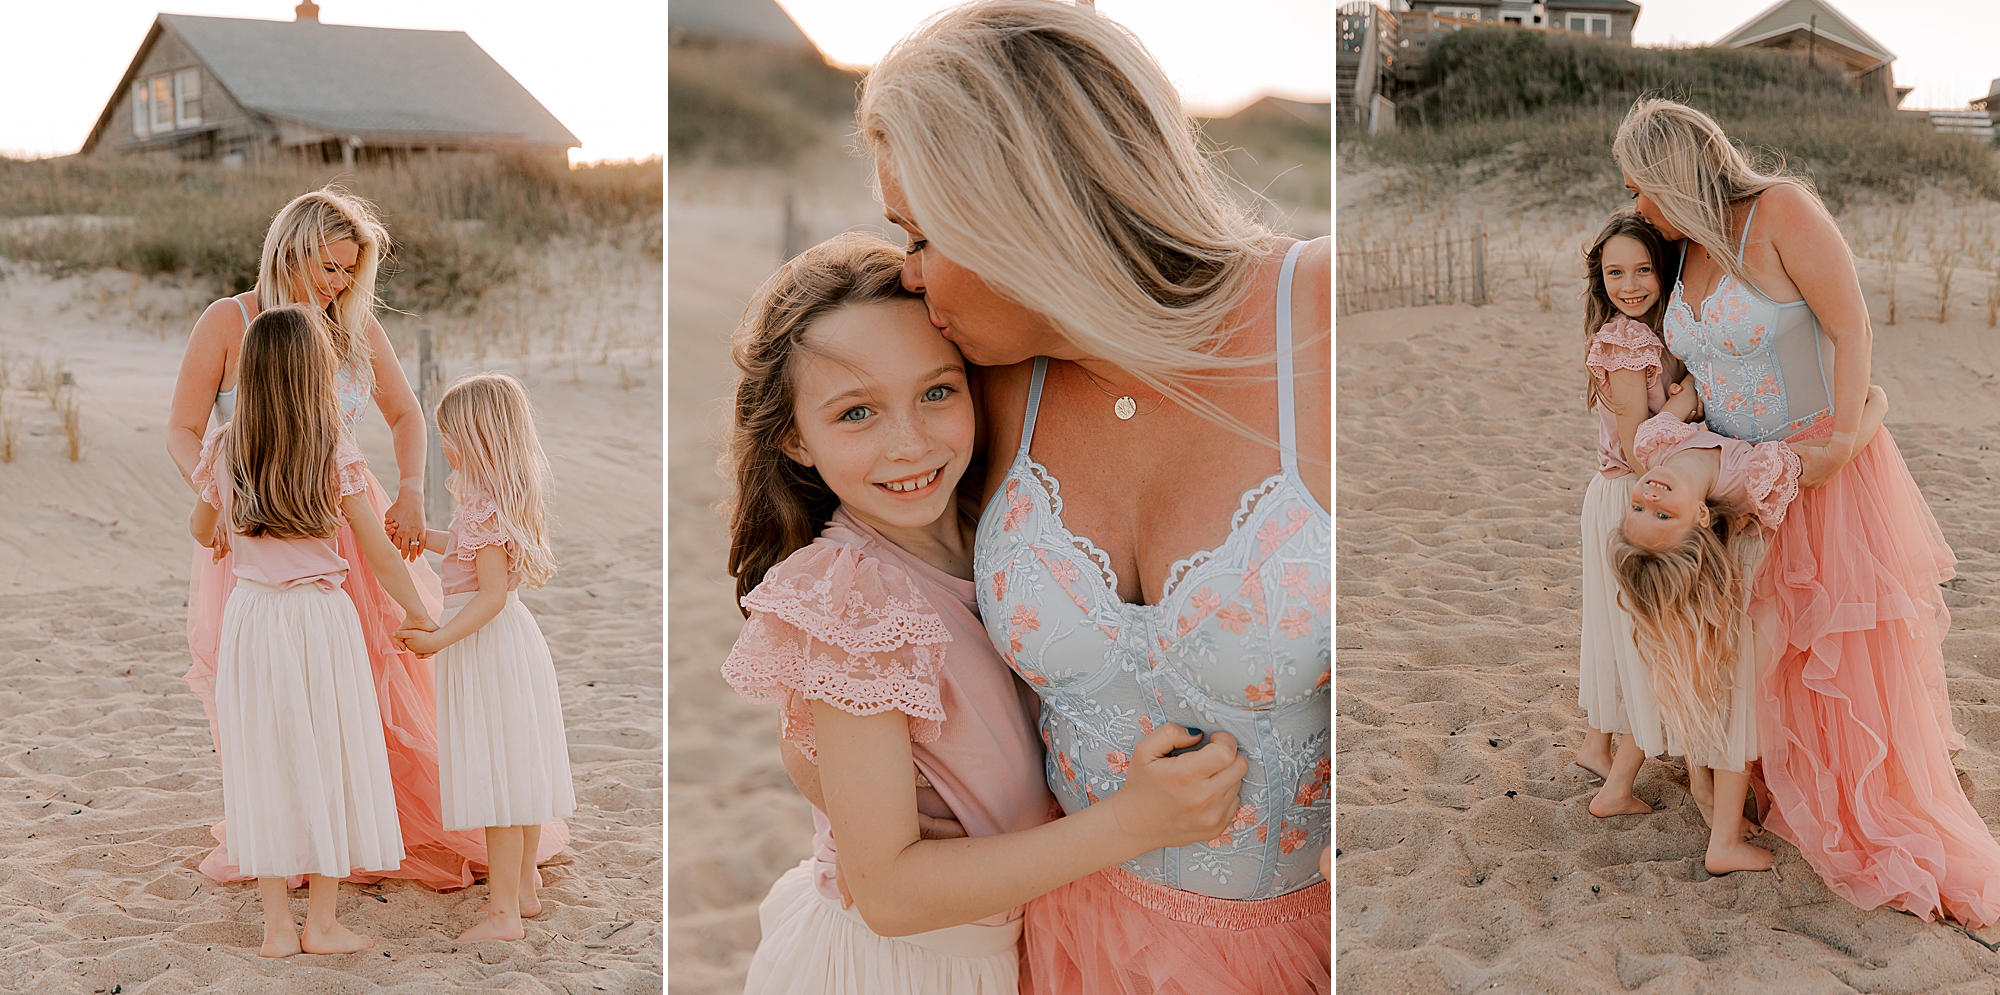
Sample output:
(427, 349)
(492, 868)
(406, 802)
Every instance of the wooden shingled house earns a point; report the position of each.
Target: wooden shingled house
(243, 90)
(1817, 32)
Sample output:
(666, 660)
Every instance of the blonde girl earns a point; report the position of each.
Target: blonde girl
(1627, 383)
(853, 560)
(305, 774)
(324, 250)
(1690, 539)
(503, 761)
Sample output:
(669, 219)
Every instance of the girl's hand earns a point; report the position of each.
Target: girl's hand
(417, 635)
(1326, 863)
(219, 546)
(1175, 801)
(404, 523)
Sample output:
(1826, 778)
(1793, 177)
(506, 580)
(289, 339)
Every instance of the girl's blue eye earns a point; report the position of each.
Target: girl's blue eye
(856, 413)
(937, 393)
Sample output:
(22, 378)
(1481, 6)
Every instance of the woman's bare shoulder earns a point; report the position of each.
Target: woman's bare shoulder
(1790, 207)
(223, 321)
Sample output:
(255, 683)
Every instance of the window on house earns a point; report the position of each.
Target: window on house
(1578, 24)
(163, 103)
(187, 98)
(1600, 26)
(142, 114)
(1469, 13)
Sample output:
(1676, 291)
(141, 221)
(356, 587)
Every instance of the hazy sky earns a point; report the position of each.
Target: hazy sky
(1221, 55)
(597, 65)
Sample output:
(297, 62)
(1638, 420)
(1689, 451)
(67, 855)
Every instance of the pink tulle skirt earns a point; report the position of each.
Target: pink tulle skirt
(1116, 934)
(1854, 724)
(432, 855)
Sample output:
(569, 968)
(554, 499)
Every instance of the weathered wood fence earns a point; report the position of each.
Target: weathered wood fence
(1443, 268)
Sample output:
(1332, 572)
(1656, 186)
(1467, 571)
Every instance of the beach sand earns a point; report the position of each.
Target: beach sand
(1468, 859)
(108, 783)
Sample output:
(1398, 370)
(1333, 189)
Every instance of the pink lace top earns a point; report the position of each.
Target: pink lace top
(282, 563)
(475, 523)
(1623, 344)
(1756, 479)
(855, 621)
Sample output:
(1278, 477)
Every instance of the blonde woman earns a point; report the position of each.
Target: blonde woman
(323, 250)
(1168, 361)
(1853, 722)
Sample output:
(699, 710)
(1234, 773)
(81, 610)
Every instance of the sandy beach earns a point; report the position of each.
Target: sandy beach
(107, 777)
(1468, 859)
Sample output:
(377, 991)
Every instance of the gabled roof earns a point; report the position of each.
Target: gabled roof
(1787, 16)
(348, 79)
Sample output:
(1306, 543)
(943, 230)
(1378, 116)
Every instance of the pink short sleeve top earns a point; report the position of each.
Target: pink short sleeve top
(1756, 479)
(475, 523)
(274, 562)
(858, 623)
(1623, 344)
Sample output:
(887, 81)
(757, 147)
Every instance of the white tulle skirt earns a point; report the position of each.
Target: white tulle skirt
(503, 759)
(812, 946)
(305, 772)
(1612, 683)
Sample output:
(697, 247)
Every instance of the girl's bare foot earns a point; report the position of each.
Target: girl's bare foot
(1738, 856)
(1608, 803)
(496, 926)
(1595, 755)
(334, 939)
(279, 943)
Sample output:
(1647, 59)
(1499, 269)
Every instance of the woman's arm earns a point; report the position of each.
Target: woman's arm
(1816, 259)
(903, 884)
(202, 367)
(489, 562)
(398, 404)
(382, 559)
(1818, 454)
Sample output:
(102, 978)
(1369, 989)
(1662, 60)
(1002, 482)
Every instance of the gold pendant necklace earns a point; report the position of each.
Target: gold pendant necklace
(1122, 405)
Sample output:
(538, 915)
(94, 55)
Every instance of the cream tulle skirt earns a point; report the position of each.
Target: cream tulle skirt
(812, 946)
(305, 775)
(502, 757)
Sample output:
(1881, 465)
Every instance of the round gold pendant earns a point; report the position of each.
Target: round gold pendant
(1126, 408)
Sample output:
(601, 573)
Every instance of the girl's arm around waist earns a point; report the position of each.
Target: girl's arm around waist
(903, 884)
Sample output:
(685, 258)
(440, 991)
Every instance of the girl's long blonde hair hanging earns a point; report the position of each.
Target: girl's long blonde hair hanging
(486, 420)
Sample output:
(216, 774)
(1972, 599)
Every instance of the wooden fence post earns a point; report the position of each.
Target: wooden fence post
(1479, 261)
(430, 386)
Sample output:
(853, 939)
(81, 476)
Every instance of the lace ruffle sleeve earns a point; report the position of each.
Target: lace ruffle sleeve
(350, 468)
(1659, 434)
(477, 524)
(1774, 470)
(1624, 344)
(836, 624)
(203, 474)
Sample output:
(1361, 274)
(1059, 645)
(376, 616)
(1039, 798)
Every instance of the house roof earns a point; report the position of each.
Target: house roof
(348, 79)
(1787, 16)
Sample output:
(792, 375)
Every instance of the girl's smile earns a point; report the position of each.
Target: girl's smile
(1665, 504)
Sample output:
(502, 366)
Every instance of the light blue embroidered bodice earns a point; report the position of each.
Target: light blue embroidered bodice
(1764, 369)
(1240, 642)
(354, 390)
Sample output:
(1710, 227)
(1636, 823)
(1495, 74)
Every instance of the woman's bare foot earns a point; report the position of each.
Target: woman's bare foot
(1738, 856)
(1608, 803)
(280, 943)
(496, 926)
(334, 939)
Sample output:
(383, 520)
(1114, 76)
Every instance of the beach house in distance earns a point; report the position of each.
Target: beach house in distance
(242, 90)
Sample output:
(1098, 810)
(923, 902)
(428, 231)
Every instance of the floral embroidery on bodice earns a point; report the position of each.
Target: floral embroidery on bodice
(1759, 365)
(1239, 642)
(354, 392)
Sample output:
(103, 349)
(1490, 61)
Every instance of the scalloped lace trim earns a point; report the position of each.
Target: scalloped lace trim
(351, 467)
(773, 663)
(1774, 481)
(1082, 544)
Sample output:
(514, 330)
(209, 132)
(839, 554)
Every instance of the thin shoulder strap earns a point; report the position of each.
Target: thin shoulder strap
(1288, 448)
(1681, 267)
(240, 309)
(1740, 246)
(1034, 402)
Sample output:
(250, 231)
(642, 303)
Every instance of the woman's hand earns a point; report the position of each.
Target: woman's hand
(1175, 801)
(405, 523)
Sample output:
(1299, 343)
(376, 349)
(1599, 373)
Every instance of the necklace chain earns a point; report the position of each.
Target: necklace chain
(1122, 404)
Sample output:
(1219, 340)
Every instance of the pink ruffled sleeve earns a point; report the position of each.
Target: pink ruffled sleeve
(1774, 470)
(836, 624)
(350, 467)
(203, 475)
(477, 524)
(1624, 344)
(1659, 434)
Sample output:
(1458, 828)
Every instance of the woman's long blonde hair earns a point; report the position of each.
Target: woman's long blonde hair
(275, 459)
(295, 246)
(780, 504)
(1687, 603)
(1040, 146)
(486, 420)
(1680, 158)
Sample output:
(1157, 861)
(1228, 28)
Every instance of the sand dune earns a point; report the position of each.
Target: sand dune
(106, 771)
(1468, 859)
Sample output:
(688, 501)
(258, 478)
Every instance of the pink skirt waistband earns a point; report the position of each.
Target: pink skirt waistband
(1219, 913)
